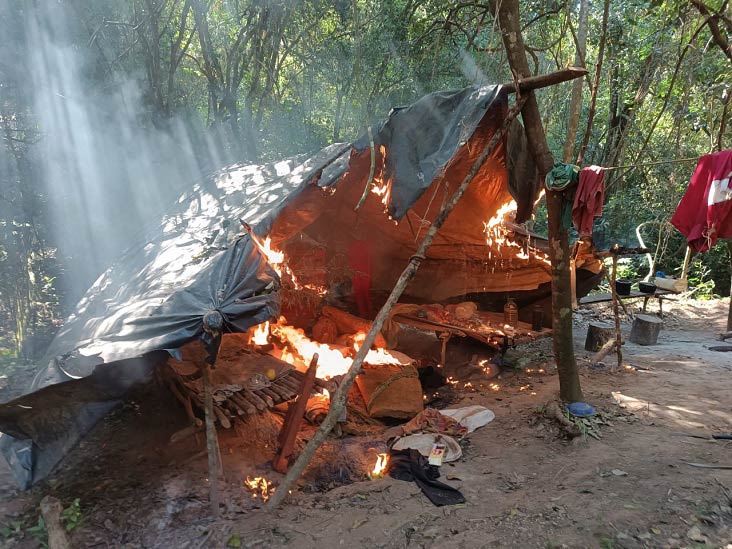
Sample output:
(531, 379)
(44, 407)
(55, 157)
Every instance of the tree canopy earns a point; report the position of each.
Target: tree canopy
(110, 108)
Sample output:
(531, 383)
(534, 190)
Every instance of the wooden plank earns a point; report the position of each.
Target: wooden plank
(293, 420)
(634, 294)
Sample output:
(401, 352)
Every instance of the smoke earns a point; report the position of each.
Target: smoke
(108, 170)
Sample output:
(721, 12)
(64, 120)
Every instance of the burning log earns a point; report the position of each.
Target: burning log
(350, 324)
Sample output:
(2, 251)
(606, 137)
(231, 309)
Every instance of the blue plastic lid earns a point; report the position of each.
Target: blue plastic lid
(581, 409)
(660, 274)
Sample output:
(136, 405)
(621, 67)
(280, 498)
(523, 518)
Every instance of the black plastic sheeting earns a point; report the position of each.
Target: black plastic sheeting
(203, 257)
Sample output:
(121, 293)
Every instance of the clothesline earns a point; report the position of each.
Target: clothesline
(641, 164)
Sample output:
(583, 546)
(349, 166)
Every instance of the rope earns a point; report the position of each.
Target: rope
(678, 160)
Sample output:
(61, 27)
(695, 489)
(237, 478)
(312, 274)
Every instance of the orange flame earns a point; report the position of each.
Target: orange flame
(497, 233)
(333, 360)
(261, 334)
(382, 460)
(275, 257)
(260, 487)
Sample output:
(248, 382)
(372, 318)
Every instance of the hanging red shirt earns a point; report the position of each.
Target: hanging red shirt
(588, 199)
(704, 213)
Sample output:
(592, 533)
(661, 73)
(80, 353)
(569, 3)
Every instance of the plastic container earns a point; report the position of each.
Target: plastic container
(581, 409)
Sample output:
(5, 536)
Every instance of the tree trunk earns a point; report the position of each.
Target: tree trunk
(507, 14)
(575, 104)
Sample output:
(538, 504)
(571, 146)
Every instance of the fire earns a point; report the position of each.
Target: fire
(259, 487)
(276, 259)
(261, 334)
(382, 460)
(496, 232)
(333, 360)
(494, 228)
(494, 387)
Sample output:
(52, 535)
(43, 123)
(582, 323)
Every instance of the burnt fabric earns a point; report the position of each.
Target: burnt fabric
(704, 213)
(588, 199)
(411, 466)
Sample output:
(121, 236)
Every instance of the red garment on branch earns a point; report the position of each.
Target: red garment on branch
(704, 213)
(588, 199)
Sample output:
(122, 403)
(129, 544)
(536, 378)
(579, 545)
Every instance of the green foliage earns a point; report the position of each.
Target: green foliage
(71, 516)
(39, 532)
(260, 81)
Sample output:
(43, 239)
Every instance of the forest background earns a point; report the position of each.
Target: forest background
(110, 109)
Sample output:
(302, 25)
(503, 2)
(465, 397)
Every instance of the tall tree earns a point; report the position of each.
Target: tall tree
(507, 15)
(575, 103)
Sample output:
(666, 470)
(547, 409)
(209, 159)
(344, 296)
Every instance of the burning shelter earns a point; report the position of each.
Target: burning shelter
(268, 245)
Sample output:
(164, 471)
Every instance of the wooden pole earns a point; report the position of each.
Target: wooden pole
(506, 13)
(212, 443)
(212, 323)
(530, 83)
(618, 336)
(338, 401)
(685, 265)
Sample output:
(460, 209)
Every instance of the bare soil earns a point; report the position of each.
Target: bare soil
(526, 484)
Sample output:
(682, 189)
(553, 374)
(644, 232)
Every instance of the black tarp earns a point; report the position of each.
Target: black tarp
(200, 257)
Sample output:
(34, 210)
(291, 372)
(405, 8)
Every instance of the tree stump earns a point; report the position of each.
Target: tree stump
(645, 329)
(598, 333)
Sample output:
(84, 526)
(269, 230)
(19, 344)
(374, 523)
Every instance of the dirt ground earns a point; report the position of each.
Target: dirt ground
(525, 484)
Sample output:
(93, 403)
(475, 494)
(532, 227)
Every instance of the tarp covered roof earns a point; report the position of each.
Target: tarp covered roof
(202, 257)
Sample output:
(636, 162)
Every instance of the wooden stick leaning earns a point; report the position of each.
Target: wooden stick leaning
(618, 336)
(339, 399)
(212, 444)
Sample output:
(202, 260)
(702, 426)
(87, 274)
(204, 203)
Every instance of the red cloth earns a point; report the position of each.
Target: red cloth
(704, 214)
(588, 199)
(360, 262)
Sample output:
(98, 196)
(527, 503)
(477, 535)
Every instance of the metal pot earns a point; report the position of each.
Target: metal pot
(647, 287)
(622, 286)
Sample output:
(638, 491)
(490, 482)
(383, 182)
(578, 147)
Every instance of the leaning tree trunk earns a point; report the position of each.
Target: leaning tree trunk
(507, 14)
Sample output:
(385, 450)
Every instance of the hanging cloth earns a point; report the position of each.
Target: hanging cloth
(588, 199)
(560, 178)
(704, 213)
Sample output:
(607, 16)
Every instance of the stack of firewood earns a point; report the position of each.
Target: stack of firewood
(233, 400)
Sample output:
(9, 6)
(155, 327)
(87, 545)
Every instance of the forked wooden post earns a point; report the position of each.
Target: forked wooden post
(616, 314)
